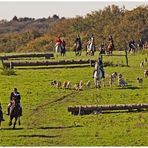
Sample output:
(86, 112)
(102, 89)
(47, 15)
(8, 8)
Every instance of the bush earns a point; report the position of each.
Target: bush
(8, 72)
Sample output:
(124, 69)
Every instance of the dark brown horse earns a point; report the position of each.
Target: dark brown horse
(110, 48)
(78, 48)
(14, 113)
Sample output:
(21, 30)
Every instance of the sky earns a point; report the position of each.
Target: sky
(40, 9)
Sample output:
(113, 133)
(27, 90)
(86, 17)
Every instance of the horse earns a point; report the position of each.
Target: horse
(110, 48)
(98, 75)
(14, 113)
(57, 49)
(90, 49)
(63, 50)
(77, 48)
(132, 48)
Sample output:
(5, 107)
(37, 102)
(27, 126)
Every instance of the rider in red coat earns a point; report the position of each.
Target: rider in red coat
(58, 41)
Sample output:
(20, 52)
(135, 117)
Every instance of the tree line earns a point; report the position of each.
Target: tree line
(30, 35)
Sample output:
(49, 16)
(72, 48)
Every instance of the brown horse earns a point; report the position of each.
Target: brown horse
(14, 113)
(78, 48)
(110, 48)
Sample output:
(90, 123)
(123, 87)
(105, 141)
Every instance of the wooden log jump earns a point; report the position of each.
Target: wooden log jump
(46, 55)
(88, 109)
(123, 55)
(47, 63)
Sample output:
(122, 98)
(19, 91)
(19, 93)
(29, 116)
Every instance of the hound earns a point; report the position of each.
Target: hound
(145, 73)
(53, 83)
(80, 85)
(69, 85)
(64, 85)
(88, 84)
(59, 84)
(139, 80)
(76, 86)
(142, 65)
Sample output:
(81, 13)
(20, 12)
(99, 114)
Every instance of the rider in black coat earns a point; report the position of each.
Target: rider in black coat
(15, 95)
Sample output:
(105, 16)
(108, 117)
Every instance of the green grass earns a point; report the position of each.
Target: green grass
(46, 121)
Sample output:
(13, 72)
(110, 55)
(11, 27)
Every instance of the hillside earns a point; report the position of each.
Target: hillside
(28, 34)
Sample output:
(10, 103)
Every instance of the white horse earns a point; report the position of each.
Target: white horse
(91, 49)
(57, 49)
(97, 76)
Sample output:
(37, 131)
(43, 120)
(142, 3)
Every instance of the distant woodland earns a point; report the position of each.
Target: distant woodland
(39, 35)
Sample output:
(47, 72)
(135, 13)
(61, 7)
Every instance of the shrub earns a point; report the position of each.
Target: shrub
(8, 72)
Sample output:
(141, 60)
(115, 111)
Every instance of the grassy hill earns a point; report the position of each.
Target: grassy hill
(46, 121)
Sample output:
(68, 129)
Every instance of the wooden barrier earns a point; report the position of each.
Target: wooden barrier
(88, 109)
(124, 55)
(46, 55)
(47, 63)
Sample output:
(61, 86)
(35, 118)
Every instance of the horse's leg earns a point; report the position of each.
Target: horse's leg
(19, 121)
(95, 81)
(10, 123)
(14, 122)
(99, 84)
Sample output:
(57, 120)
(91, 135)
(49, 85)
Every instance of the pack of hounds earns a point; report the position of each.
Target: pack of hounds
(68, 85)
(109, 80)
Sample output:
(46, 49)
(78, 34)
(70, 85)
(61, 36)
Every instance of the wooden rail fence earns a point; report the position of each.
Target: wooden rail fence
(88, 109)
(112, 55)
(47, 63)
(46, 55)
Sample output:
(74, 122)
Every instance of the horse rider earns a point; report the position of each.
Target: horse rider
(15, 95)
(1, 113)
(110, 39)
(141, 44)
(63, 44)
(78, 40)
(92, 40)
(102, 48)
(132, 45)
(58, 41)
(100, 63)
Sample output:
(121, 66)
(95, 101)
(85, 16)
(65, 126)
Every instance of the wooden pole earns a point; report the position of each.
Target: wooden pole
(126, 58)
(88, 109)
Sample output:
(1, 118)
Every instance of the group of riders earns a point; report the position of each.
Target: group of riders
(133, 46)
(90, 45)
(15, 97)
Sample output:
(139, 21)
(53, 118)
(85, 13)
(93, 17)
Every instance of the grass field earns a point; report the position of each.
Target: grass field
(46, 121)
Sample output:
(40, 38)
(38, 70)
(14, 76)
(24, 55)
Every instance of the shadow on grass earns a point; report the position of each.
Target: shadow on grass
(38, 136)
(9, 128)
(128, 87)
(60, 127)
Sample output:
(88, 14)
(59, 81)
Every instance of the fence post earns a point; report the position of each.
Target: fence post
(11, 65)
(126, 58)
